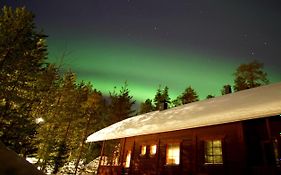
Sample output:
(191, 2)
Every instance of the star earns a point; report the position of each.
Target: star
(252, 52)
(155, 28)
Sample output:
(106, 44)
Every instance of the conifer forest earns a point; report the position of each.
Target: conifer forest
(46, 113)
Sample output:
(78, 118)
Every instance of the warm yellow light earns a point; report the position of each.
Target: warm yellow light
(143, 150)
(128, 159)
(173, 154)
(153, 149)
(39, 120)
(213, 152)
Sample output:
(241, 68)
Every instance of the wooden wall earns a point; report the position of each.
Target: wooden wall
(242, 148)
(192, 151)
(261, 136)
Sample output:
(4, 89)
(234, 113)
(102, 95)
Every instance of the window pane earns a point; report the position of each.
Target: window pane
(209, 159)
(217, 143)
(128, 159)
(209, 151)
(143, 150)
(177, 160)
(218, 159)
(213, 152)
(169, 153)
(173, 154)
(153, 149)
(217, 151)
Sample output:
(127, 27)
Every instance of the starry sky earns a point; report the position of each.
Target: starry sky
(148, 43)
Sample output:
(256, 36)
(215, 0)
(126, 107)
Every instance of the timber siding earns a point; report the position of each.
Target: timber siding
(237, 133)
(191, 151)
(244, 149)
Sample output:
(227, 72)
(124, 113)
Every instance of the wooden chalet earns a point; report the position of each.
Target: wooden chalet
(238, 133)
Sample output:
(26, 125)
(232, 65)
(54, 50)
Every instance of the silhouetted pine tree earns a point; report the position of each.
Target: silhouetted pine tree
(226, 89)
(161, 98)
(121, 104)
(188, 96)
(146, 106)
(249, 76)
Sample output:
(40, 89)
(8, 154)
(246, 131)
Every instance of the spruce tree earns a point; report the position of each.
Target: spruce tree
(22, 56)
(121, 104)
(146, 106)
(161, 98)
(188, 96)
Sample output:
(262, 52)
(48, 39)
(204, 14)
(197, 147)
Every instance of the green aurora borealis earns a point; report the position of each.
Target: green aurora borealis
(108, 63)
(172, 43)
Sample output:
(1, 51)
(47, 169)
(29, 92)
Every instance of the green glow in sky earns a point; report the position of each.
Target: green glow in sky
(109, 63)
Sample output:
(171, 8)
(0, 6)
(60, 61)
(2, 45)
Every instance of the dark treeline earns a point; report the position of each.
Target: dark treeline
(47, 114)
(246, 76)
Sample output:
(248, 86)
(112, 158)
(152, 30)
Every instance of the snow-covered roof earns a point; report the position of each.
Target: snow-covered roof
(248, 104)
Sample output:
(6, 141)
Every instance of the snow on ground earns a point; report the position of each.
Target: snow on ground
(69, 168)
(32, 160)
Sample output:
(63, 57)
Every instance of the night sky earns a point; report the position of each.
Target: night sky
(160, 42)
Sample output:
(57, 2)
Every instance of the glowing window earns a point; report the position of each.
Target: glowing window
(153, 149)
(173, 154)
(143, 150)
(128, 159)
(213, 152)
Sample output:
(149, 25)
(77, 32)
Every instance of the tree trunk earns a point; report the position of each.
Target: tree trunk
(46, 145)
(82, 144)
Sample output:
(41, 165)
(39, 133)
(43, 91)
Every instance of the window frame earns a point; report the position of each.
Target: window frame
(143, 152)
(177, 160)
(213, 163)
(151, 148)
(127, 162)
